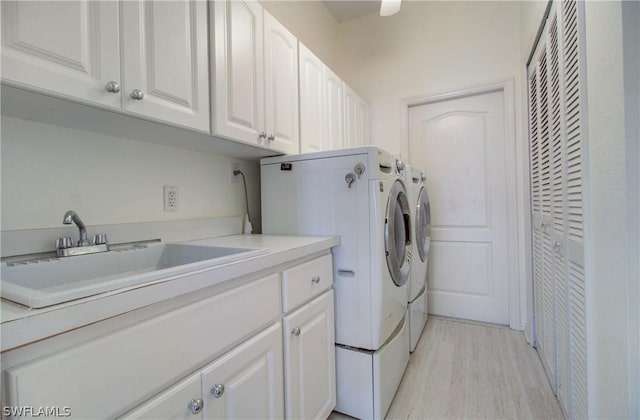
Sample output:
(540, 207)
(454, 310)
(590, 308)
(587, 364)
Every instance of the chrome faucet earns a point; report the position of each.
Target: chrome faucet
(72, 216)
(65, 246)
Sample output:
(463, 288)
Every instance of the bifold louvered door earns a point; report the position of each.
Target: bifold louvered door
(556, 126)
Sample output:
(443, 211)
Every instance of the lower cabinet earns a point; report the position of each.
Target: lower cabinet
(181, 401)
(309, 360)
(242, 384)
(246, 352)
(246, 383)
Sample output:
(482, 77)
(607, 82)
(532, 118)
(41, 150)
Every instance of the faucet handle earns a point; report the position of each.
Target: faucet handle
(64, 242)
(100, 239)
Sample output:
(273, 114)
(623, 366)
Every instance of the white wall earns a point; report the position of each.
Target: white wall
(428, 47)
(612, 85)
(48, 169)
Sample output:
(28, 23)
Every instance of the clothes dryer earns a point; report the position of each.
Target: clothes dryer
(359, 195)
(421, 240)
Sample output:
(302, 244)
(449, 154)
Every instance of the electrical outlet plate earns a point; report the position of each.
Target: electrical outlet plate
(170, 198)
(233, 166)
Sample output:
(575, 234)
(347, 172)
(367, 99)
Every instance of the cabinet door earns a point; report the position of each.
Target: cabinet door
(312, 100)
(351, 118)
(166, 60)
(334, 111)
(69, 48)
(363, 118)
(309, 346)
(246, 383)
(238, 86)
(181, 401)
(281, 86)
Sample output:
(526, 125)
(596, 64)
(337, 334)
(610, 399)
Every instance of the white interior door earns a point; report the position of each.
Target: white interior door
(460, 143)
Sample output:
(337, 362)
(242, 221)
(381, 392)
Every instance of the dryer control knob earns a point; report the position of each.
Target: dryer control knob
(400, 165)
(423, 177)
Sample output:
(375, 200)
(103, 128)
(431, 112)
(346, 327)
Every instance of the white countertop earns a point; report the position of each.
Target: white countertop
(22, 325)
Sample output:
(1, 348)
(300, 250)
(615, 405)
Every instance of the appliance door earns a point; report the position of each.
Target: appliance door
(397, 234)
(423, 224)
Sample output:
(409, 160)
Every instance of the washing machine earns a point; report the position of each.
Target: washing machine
(359, 195)
(420, 240)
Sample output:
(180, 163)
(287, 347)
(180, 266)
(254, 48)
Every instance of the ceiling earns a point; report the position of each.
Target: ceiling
(344, 10)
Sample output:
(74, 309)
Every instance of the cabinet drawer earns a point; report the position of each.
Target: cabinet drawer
(103, 377)
(305, 281)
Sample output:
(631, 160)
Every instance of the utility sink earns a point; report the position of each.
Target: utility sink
(47, 282)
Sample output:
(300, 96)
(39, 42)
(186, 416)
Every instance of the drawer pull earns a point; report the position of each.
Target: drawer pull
(217, 390)
(195, 406)
(295, 331)
(315, 279)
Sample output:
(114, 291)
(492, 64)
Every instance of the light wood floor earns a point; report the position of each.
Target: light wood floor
(473, 371)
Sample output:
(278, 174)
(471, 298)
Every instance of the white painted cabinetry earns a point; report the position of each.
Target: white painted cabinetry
(332, 115)
(309, 340)
(255, 87)
(65, 48)
(220, 355)
(313, 136)
(181, 401)
(334, 110)
(245, 383)
(165, 58)
(72, 49)
(310, 359)
(356, 116)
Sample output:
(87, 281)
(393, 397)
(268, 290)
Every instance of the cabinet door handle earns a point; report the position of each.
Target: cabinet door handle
(315, 279)
(271, 137)
(195, 406)
(217, 390)
(137, 94)
(112, 87)
(262, 135)
(295, 331)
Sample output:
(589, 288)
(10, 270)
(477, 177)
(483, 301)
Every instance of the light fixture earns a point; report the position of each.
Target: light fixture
(389, 7)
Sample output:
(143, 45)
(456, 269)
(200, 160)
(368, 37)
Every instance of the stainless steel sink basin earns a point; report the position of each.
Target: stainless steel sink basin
(42, 283)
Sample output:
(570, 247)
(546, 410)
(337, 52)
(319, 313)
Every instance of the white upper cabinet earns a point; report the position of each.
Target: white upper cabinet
(334, 110)
(281, 86)
(363, 113)
(238, 86)
(72, 49)
(356, 114)
(67, 48)
(352, 123)
(255, 77)
(312, 102)
(166, 67)
(332, 115)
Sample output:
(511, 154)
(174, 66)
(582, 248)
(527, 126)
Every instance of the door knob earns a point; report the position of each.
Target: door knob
(217, 390)
(295, 331)
(112, 87)
(195, 406)
(315, 279)
(137, 94)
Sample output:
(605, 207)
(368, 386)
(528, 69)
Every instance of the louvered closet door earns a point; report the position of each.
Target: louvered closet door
(558, 205)
(542, 210)
(556, 198)
(572, 18)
